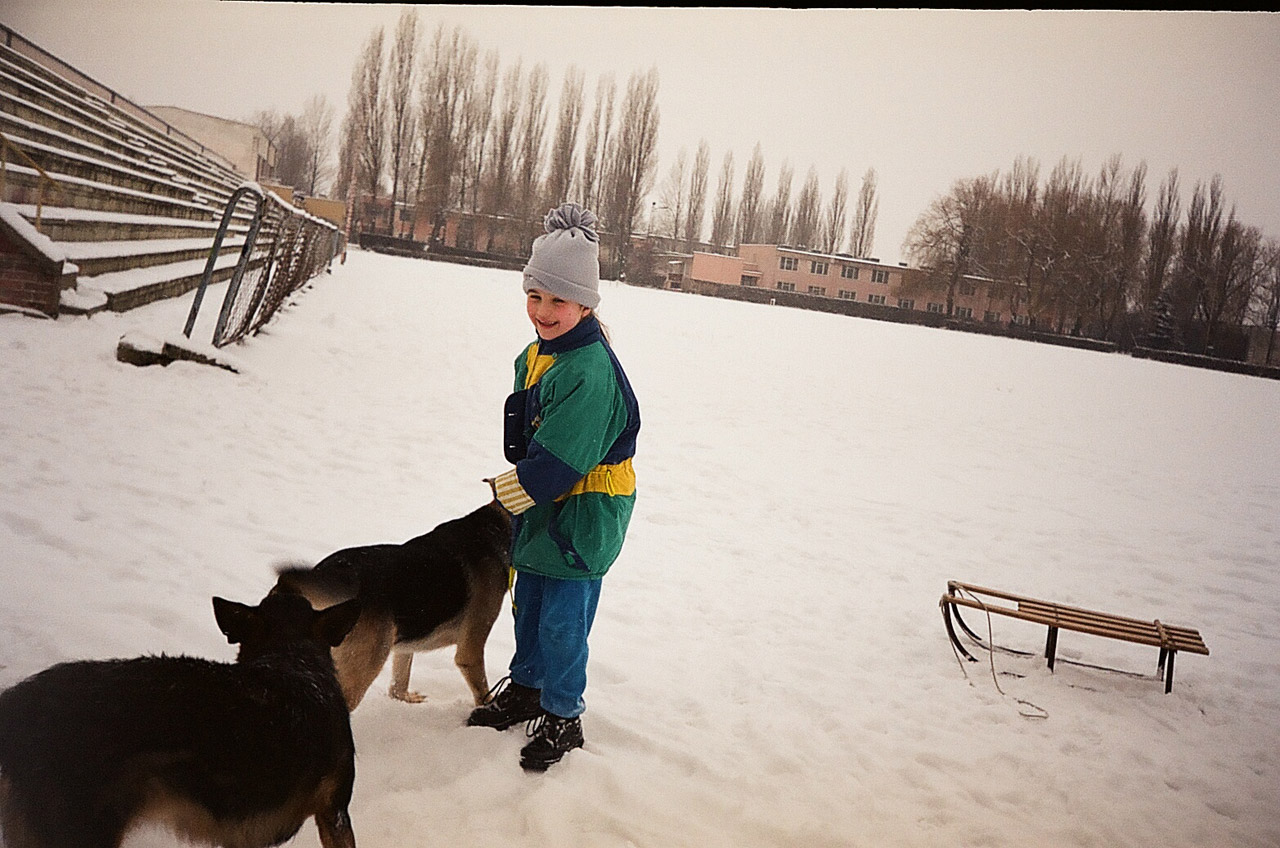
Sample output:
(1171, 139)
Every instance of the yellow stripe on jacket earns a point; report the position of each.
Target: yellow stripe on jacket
(536, 366)
(617, 479)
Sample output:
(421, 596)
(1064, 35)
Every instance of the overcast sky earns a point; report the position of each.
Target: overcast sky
(924, 97)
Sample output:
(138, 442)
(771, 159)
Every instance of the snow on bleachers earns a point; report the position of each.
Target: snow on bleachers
(134, 209)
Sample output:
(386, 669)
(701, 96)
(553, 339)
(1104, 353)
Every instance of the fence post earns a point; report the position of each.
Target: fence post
(233, 289)
(216, 250)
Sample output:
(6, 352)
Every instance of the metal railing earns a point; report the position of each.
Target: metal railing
(283, 249)
(8, 146)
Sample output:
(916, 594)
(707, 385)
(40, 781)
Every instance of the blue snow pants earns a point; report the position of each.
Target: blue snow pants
(553, 619)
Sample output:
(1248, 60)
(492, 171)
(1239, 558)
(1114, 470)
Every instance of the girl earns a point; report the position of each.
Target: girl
(571, 433)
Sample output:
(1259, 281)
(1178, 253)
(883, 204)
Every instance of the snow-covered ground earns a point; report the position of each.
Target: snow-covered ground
(769, 666)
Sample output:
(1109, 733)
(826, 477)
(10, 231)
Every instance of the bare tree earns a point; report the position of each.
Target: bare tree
(862, 237)
(779, 227)
(1161, 241)
(1083, 256)
(804, 226)
(1129, 246)
(1102, 261)
(504, 145)
(673, 195)
(722, 212)
(317, 127)
(697, 197)
(279, 130)
(479, 120)
(530, 153)
(447, 82)
(1019, 228)
(1267, 298)
(292, 154)
(344, 185)
(366, 119)
(1198, 245)
(301, 143)
(942, 240)
(399, 92)
(1062, 199)
(564, 150)
(634, 159)
(751, 203)
(595, 151)
(270, 122)
(833, 223)
(1218, 264)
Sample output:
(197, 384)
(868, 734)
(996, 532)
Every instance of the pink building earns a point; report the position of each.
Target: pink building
(839, 276)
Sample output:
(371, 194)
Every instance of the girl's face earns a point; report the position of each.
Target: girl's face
(552, 316)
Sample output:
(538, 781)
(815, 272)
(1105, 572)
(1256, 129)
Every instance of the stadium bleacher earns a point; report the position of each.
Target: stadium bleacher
(128, 205)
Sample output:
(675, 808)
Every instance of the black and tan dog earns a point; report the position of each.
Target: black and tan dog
(224, 753)
(439, 589)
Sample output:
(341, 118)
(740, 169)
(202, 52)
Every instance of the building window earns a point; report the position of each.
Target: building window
(935, 308)
(749, 281)
(963, 312)
(1020, 320)
(819, 290)
(848, 272)
(788, 263)
(991, 317)
(816, 267)
(875, 298)
(879, 276)
(845, 294)
(786, 286)
(968, 289)
(906, 303)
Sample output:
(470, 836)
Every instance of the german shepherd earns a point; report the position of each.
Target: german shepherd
(233, 754)
(442, 588)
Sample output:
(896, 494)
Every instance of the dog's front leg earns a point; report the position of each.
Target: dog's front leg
(335, 829)
(401, 665)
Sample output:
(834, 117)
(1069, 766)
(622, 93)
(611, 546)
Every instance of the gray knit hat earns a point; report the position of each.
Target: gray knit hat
(565, 261)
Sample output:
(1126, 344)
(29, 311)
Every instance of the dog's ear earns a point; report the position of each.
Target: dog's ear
(239, 623)
(333, 623)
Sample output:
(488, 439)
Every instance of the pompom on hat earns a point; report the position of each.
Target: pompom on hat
(565, 260)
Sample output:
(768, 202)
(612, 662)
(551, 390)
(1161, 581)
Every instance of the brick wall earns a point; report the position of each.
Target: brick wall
(23, 280)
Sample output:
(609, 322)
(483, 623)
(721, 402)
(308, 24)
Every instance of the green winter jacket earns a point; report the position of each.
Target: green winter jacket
(571, 430)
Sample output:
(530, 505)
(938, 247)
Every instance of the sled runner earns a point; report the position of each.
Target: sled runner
(1167, 638)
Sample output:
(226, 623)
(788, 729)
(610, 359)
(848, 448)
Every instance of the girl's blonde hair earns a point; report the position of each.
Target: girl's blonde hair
(604, 328)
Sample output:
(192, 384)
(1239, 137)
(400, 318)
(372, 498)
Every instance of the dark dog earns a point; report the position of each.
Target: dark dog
(234, 754)
(442, 588)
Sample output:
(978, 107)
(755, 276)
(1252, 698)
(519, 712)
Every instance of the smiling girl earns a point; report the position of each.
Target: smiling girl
(570, 431)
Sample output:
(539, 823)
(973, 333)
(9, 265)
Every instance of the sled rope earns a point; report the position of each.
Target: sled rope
(1040, 712)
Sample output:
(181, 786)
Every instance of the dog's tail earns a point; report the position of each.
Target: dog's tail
(323, 588)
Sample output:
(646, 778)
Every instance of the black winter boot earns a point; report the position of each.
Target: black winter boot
(508, 703)
(553, 737)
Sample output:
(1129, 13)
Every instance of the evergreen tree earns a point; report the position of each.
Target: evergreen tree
(1164, 333)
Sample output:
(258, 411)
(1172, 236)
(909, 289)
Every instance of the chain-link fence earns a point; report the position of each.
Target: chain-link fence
(284, 248)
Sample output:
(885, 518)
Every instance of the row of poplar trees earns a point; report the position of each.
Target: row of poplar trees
(437, 125)
(446, 127)
(1088, 256)
(754, 216)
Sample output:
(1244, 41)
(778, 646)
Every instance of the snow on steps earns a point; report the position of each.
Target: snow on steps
(124, 290)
